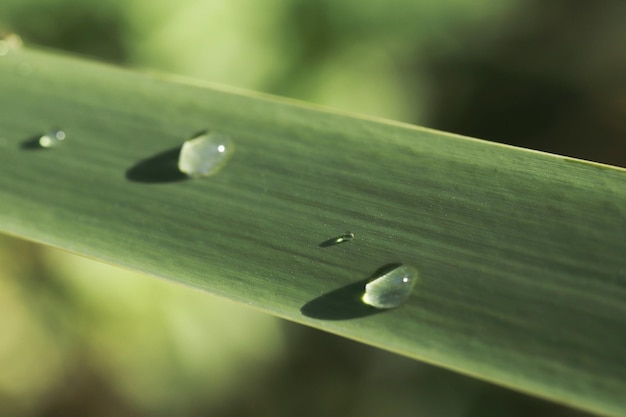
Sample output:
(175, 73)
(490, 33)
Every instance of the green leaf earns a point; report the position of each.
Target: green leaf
(521, 255)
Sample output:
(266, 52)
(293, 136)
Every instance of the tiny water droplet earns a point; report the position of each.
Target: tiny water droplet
(52, 139)
(346, 237)
(205, 154)
(391, 289)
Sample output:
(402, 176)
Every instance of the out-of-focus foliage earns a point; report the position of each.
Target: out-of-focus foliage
(80, 338)
(535, 74)
(352, 55)
(66, 321)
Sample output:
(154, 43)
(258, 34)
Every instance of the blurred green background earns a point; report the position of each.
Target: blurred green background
(81, 338)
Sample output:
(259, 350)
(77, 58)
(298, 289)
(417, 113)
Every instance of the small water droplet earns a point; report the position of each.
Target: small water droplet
(346, 237)
(205, 154)
(391, 289)
(52, 139)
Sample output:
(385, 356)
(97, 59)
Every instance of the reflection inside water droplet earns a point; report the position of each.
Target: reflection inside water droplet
(205, 154)
(392, 288)
(52, 139)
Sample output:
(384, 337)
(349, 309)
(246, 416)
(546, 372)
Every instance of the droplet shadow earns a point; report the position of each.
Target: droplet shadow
(160, 168)
(32, 144)
(345, 303)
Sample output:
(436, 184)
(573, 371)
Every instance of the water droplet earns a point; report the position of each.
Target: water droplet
(205, 154)
(346, 237)
(52, 139)
(391, 289)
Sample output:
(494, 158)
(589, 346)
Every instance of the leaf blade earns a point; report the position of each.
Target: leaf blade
(520, 253)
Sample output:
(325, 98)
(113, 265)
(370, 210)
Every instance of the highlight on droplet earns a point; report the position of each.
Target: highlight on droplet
(205, 154)
(391, 289)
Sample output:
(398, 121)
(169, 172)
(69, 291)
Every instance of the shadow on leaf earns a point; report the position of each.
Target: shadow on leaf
(31, 144)
(160, 168)
(345, 303)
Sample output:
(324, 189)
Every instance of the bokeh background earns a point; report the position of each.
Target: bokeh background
(81, 338)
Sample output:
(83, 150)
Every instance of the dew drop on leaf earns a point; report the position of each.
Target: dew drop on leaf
(346, 237)
(205, 154)
(391, 289)
(52, 139)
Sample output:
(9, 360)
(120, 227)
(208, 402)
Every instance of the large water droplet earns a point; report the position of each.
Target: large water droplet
(205, 154)
(52, 139)
(392, 288)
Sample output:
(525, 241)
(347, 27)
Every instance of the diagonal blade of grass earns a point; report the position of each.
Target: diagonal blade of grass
(520, 254)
